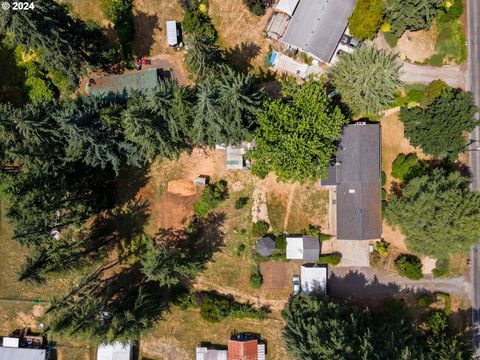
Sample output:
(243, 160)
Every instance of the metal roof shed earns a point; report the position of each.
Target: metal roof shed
(287, 6)
(115, 351)
(303, 247)
(265, 246)
(172, 34)
(314, 279)
(204, 353)
(8, 353)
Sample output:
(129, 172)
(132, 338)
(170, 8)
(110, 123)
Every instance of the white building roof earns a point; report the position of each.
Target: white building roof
(115, 351)
(172, 37)
(287, 6)
(314, 278)
(204, 353)
(303, 247)
(11, 342)
(10, 353)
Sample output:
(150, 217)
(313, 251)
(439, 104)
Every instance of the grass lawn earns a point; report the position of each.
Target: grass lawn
(183, 330)
(451, 39)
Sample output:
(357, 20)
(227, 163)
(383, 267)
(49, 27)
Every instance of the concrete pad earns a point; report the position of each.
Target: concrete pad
(355, 253)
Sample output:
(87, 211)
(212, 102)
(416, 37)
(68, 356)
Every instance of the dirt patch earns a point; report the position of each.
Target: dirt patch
(181, 187)
(275, 275)
(176, 211)
(394, 143)
(259, 206)
(428, 264)
(394, 237)
(417, 46)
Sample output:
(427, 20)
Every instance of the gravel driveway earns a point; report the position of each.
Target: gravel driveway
(364, 283)
(453, 75)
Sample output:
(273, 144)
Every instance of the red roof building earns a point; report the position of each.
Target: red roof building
(243, 350)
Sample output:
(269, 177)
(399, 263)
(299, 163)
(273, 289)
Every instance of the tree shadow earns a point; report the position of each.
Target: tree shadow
(145, 26)
(240, 56)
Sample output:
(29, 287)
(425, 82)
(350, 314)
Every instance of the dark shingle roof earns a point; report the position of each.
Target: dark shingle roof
(357, 175)
(265, 246)
(317, 26)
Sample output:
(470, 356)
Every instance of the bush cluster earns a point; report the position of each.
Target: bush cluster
(241, 202)
(258, 7)
(406, 167)
(425, 301)
(260, 228)
(197, 22)
(215, 308)
(256, 278)
(331, 259)
(441, 268)
(409, 266)
(212, 196)
(119, 12)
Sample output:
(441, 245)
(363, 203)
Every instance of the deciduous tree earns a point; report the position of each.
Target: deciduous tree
(297, 136)
(366, 18)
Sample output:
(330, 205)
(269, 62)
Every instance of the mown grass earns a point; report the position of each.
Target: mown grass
(451, 39)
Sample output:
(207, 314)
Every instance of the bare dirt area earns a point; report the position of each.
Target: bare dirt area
(241, 32)
(394, 143)
(417, 46)
(394, 237)
(177, 211)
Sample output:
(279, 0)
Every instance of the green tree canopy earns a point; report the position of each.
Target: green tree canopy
(367, 79)
(437, 213)
(203, 54)
(411, 14)
(439, 127)
(318, 327)
(366, 18)
(297, 136)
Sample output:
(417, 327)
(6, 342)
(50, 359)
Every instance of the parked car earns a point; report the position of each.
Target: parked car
(350, 41)
(296, 284)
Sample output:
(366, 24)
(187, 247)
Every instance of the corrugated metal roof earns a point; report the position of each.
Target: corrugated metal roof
(317, 26)
(287, 6)
(123, 84)
(172, 36)
(203, 353)
(243, 350)
(7, 353)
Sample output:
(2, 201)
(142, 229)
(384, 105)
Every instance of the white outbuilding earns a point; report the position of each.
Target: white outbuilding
(314, 279)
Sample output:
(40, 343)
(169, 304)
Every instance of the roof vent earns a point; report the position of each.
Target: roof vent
(351, 191)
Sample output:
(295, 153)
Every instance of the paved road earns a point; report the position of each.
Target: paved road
(452, 74)
(473, 85)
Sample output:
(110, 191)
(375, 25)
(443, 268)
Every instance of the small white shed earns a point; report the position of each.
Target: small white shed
(115, 351)
(287, 6)
(314, 279)
(172, 33)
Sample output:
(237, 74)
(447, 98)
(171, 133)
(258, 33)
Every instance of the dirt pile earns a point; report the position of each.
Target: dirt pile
(181, 187)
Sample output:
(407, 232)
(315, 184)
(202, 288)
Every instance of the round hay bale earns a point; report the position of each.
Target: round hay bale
(181, 187)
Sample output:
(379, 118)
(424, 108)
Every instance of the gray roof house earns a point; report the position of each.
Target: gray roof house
(357, 177)
(317, 26)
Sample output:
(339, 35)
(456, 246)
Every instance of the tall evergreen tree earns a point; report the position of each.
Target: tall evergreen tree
(367, 79)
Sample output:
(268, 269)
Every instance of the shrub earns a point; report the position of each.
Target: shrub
(256, 278)
(325, 237)
(382, 247)
(455, 11)
(447, 301)
(409, 266)
(198, 23)
(436, 60)
(366, 18)
(239, 250)
(451, 39)
(215, 307)
(441, 268)
(258, 7)
(406, 167)
(384, 194)
(435, 89)
(212, 196)
(437, 321)
(119, 12)
(425, 301)
(260, 228)
(312, 230)
(331, 259)
(281, 243)
(384, 178)
(241, 202)
(391, 39)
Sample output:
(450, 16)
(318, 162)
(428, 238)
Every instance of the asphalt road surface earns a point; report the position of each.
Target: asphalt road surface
(473, 85)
